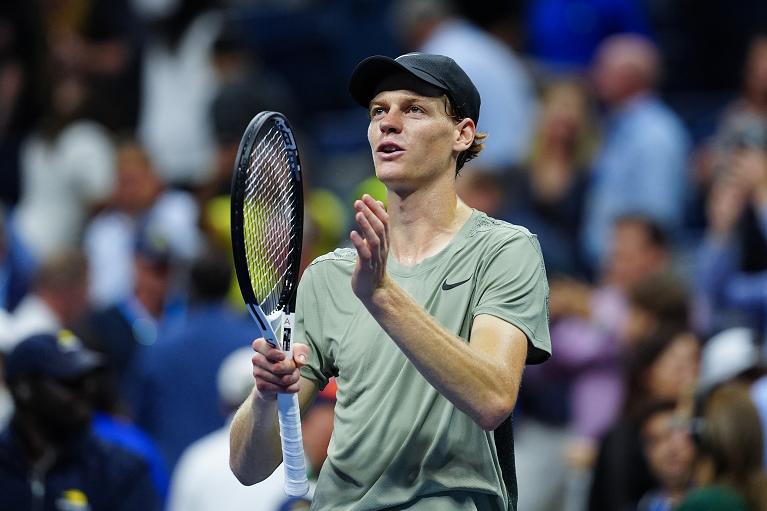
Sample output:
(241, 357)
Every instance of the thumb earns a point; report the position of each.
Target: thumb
(301, 354)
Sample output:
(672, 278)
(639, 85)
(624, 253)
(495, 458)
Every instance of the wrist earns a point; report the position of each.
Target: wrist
(382, 297)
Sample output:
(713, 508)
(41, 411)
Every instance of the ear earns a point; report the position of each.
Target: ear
(465, 131)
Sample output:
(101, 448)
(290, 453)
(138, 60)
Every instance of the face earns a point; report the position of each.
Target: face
(62, 407)
(676, 369)
(413, 139)
(633, 255)
(669, 449)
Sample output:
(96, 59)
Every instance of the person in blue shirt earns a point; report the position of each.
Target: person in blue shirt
(641, 167)
(175, 397)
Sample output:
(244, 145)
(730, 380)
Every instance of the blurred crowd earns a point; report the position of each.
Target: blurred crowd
(629, 135)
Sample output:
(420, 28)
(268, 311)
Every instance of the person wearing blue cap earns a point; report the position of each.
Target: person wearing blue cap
(49, 457)
(426, 323)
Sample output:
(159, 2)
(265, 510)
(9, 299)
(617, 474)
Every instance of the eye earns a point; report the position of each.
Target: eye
(376, 111)
(415, 109)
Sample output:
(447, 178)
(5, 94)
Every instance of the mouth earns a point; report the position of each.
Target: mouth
(389, 148)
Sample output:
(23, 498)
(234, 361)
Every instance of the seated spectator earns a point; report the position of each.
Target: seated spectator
(730, 471)
(663, 367)
(49, 457)
(670, 454)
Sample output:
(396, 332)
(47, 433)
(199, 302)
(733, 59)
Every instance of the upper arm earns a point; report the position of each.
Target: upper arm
(503, 343)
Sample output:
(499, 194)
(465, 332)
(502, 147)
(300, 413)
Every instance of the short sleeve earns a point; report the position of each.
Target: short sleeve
(512, 286)
(309, 330)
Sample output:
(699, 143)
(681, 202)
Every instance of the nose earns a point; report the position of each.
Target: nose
(391, 122)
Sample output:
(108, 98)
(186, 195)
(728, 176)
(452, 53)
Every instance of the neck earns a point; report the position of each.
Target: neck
(424, 221)
(34, 442)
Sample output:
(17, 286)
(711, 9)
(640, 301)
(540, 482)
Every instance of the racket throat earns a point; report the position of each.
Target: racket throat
(276, 328)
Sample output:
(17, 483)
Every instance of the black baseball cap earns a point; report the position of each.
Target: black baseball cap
(59, 355)
(435, 71)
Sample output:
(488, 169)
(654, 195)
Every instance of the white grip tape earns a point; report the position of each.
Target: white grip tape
(296, 483)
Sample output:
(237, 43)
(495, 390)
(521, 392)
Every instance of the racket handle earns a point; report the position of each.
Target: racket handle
(296, 483)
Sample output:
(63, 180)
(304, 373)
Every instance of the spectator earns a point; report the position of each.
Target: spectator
(569, 404)
(641, 166)
(58, 299)
(734, 355)
(119, 330)
(139, 201)
(726, 294)
(670, 452)
(67, 169)
(49, 458)
(663, 367)
(658, 302)
(508, 98)
(549, 198)
(730, 470)
(178, 86)
(184, 360)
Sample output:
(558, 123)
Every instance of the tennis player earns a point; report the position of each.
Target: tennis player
(426, 323)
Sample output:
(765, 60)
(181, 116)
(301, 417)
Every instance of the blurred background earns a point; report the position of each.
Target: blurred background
(629, 135)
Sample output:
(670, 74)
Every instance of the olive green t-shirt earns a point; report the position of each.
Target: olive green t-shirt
(397, 442)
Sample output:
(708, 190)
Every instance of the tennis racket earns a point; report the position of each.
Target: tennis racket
(267, 224)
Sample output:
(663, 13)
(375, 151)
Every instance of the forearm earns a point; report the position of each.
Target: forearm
(481, 385)
(254, 440)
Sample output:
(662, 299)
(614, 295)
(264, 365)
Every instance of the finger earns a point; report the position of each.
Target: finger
(301, 354)
(279, 380)
(279, 368)
(378, 225)
(262, 346)
(362, 248)
(377, 207)
(368, 233)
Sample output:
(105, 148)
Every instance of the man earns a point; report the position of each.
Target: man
(49, 458)
(58, 299)
(426, 324)
(642, 165)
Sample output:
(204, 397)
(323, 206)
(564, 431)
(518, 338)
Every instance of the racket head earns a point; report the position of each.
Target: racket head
(267, 213)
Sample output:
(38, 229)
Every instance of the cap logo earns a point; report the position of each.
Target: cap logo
(73, 500)
(67, 341)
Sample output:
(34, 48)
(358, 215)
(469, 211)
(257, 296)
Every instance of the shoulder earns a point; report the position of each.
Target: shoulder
(116, 461)
(501, 234)
(339, 259)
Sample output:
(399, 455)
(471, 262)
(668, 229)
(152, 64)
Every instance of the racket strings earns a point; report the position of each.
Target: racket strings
(269, 221)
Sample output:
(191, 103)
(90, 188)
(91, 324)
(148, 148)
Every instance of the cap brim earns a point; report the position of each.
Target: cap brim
(79, 364)
(373, 70)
